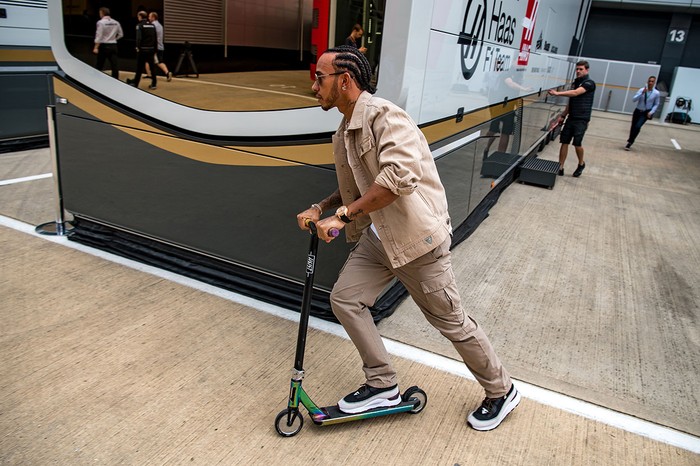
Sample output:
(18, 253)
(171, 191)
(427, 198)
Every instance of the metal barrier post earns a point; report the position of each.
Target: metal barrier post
(607, 103)
(60, 226)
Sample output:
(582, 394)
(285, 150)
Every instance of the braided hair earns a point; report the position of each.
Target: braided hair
(355, 63)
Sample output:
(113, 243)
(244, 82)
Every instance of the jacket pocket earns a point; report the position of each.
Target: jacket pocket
(357, 157)
(367, 153)
(366, 145)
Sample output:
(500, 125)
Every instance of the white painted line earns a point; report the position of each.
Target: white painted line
(550, 398)
(199, 81)
(675, 144)
(26, 178)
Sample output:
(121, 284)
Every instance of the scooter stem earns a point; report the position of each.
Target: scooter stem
(306, 298)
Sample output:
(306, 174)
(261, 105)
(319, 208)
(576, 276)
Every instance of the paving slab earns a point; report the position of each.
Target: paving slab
(589, 289)
(593, 288)
(104, 364)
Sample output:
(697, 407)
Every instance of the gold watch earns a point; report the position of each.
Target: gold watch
(342, 213)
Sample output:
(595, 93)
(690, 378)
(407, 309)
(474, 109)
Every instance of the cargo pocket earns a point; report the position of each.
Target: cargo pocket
(442, 296)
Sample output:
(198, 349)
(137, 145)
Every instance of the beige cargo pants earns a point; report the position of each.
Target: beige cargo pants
(431, 283)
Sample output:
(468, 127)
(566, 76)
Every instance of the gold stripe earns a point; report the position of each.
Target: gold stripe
(100, 111)
(615, 86)
(310, 154)
(26, 55)
(322, 153)
(190, 149)
(442, 130)
(206, 153)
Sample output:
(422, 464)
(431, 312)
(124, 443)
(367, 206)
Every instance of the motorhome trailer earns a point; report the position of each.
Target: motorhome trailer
(213, 192)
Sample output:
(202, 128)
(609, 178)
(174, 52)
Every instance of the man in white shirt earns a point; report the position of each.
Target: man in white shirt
(647, 99)
(108, 32)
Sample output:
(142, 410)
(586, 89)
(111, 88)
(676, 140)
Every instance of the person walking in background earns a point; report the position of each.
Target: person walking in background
(355, 38)
(107, 33)
(391, 201)
(578, 114)
(159, 59)
(647, 99)
(146, 41)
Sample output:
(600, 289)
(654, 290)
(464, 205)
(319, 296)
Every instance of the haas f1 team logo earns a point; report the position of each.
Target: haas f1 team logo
(528, 31)
(493, 22)
(471, 38)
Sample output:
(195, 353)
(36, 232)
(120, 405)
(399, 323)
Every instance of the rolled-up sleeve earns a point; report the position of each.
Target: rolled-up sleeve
(398, 151)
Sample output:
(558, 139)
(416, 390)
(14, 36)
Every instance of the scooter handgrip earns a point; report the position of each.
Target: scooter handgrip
(334, 232)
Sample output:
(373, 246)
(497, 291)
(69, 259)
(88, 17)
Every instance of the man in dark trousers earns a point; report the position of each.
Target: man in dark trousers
(160, 53)
(107, 33)
(146, 41)
(647, 99)
(577, 114)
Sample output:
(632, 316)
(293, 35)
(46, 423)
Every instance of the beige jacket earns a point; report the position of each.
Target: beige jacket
(383, 145)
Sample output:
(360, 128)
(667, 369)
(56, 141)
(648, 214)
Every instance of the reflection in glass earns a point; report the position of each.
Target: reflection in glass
(248, 56)
(460, 172)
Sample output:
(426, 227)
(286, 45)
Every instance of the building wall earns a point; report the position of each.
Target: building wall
(625, 35)
(275, 24)
(664, 33)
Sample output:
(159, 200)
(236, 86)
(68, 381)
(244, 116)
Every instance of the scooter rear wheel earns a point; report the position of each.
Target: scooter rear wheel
(415, 393)
(289, 423)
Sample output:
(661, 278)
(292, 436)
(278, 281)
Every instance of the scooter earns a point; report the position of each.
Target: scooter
(290, 420)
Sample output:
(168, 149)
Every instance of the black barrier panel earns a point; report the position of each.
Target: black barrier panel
(244, 214)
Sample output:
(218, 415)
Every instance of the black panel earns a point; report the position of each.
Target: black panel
(243, 214)
(691, 52)
(626, 35)
(24, 98)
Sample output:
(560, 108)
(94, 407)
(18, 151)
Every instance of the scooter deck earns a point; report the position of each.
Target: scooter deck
(336, 416)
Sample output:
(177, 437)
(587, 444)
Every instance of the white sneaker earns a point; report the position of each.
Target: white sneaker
(367, 397)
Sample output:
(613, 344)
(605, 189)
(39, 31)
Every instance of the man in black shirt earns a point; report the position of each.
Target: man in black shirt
(578, 111)
(146, 42)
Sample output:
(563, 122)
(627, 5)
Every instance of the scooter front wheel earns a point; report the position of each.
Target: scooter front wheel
(418, 395)
(289, 422)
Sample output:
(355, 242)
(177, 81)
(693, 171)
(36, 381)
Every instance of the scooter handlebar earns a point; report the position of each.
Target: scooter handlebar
(334, 232)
